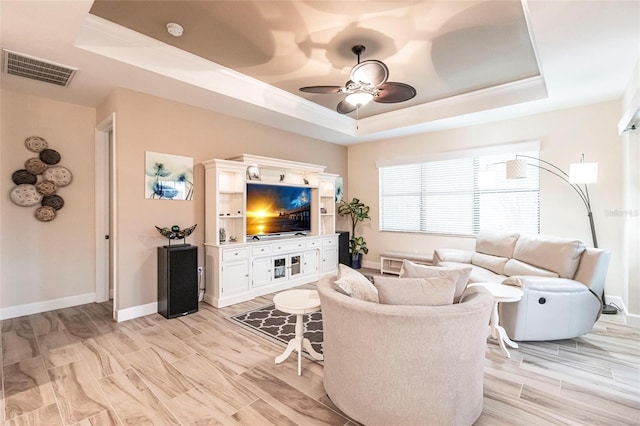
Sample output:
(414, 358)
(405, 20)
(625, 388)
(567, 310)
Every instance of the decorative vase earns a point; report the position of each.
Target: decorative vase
(356, 261)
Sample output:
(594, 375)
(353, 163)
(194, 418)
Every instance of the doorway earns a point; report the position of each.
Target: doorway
(105, 143)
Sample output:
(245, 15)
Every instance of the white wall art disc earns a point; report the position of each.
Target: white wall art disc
(35, 143)
(25, 195)
(59, 175)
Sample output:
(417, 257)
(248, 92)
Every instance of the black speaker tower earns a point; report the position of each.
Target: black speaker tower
(343, 248)
(177, 280)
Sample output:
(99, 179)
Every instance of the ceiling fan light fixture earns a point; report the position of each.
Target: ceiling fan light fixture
(359, 98)
(368, 82)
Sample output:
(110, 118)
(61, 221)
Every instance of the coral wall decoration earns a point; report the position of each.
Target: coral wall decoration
(39, 181)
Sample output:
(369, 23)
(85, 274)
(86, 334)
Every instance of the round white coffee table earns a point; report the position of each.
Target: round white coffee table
(298, 302)
(501, 293)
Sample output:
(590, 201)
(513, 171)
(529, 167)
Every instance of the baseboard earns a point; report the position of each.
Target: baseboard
(136, 311)
(371, 264)
(631, 319)
(47, 305)
(617, 301)
(208, 299)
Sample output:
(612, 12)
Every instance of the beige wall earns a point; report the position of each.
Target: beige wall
(563, 136)
(47, 261)
(147, 123)
(630, 214)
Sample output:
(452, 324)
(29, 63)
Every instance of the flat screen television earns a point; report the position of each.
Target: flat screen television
(277, 210)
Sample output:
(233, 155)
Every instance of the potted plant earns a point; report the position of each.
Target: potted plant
(358, 212)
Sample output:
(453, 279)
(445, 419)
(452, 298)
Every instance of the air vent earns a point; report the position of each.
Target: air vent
(37, 69)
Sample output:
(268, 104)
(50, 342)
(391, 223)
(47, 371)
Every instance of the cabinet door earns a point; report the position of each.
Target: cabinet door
(279, 268)
(235, 277)
(329, 260)
(310, 262)
(295, 265)
(261, 272)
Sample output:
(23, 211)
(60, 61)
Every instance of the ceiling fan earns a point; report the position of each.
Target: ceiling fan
(368, 82)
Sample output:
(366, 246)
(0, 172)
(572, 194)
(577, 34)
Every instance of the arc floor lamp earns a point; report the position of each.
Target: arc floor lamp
(579, 174)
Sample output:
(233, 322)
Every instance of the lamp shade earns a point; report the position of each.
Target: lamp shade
(583, 173)
(516, 169)
(359, 98)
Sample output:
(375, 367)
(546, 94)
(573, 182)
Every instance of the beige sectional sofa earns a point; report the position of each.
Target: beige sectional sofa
(562, 280)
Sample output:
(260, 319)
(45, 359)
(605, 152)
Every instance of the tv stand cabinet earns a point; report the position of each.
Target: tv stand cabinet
(240, 272)
(238, 269)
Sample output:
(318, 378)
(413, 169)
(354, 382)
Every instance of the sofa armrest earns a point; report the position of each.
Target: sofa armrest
(451, 255)
(593, 267)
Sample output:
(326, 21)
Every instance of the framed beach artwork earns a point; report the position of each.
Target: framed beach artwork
(168, 177)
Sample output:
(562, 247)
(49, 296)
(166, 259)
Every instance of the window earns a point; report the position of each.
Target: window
(443, 197)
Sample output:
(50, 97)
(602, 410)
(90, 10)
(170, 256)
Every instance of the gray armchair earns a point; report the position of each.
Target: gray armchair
(405, 365)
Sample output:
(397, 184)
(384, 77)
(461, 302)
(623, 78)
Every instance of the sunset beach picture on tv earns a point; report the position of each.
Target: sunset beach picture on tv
(277, 209)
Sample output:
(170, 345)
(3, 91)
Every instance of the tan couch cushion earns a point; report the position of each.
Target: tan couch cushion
(481, 275)
(354, 284)
(460, 276)
(496, 243)
(487, 261)
(515, 267)
(560, 255)
(451, 255)
(478, 274)
(415, 291)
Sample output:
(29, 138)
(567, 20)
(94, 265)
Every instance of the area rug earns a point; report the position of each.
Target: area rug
(279, 326)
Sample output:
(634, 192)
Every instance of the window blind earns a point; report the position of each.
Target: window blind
(443, 197)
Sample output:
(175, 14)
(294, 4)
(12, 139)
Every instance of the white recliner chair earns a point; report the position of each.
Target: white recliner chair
(558, 308)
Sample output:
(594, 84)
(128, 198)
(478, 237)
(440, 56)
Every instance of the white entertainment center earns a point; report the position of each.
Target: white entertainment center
(240, 268)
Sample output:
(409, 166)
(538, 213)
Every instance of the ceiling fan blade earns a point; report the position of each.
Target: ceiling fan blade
(371, 72)
(392, 92)
(321, 89)
(345, 107)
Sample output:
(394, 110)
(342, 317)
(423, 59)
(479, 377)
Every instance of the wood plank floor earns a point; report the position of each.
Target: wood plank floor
(76, 366)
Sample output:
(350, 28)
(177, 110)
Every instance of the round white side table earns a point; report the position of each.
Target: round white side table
(501, 293)
(298, 302)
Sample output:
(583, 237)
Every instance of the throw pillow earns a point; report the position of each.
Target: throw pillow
(354, 284)
(460, 276)
(415, 291)
(513, 281)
